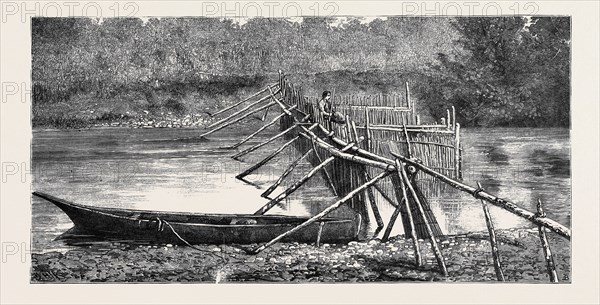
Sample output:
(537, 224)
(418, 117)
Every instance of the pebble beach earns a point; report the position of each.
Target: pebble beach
(467, 257)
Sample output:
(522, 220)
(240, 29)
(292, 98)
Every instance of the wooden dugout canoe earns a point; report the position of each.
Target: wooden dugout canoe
(195, 228)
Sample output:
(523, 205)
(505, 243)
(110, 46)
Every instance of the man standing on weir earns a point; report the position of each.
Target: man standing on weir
(327, 112)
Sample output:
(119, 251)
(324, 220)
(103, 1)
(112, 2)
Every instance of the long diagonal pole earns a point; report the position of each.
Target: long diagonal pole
(244, 100)
(369, 191)
(411, 220)
(499, 202)
(238, 119)
(273, 138)
(324, 213)
(269, 157)
(298, 184)
(286, 173)
(273, 121)
(493, 243)
(324, 169)
(241, 111)
(434, 245)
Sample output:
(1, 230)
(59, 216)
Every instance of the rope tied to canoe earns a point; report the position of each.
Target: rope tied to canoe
(225, 261)
(162, 222)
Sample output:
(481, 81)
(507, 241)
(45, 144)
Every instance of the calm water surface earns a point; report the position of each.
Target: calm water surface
(152, 169)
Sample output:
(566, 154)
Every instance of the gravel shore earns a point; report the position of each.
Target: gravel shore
(468, 259)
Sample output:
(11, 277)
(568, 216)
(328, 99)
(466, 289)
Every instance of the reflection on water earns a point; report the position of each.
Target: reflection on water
(518, 164)
(168, 169)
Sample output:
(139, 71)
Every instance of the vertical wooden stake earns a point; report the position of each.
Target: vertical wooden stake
(367, 130)
(457, 173)
(407, 96)
(348, 131)
(545, 245)
(453, 117)
(321, 224)
(493, 243)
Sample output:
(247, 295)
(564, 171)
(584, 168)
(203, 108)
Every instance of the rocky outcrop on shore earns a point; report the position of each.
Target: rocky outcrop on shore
(166, 121)
(468, 259)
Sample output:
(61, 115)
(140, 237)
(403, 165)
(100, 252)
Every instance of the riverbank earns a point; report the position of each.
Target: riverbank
(468, 259)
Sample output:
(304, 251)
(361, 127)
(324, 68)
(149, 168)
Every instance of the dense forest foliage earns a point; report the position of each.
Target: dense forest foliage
(496, 71)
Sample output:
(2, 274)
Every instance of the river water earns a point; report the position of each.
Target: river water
(154, 169)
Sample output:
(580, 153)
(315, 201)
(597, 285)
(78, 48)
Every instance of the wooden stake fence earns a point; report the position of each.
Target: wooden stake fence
(436, 145)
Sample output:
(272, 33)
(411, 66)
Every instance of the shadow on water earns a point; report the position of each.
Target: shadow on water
(550, 163)
(496, 154)
(188, 140)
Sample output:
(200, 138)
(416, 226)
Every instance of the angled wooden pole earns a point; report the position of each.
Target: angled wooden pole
(287, 171)
(324, 169)
(388, 229)
(244, 100)
(264, 117)
(346, 156)
(384, 195)
(408, 146)
(278, 101)
(275, 120)
(275, 137)
(328, 210)
(402, 198)
(238, 119)
(493, 243)
(241, 111)
(546, 246)
(369, 191)
(434, 244)
(298, 184)
(266, 159)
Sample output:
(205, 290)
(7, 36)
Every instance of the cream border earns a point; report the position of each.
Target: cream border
(15, 195)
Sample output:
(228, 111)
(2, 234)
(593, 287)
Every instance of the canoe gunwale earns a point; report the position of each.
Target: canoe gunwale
(158, 227)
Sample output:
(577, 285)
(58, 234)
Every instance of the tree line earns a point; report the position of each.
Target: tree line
(496, 71)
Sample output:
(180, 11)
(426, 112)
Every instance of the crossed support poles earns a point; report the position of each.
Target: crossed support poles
(409, 202)
(346, 152)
